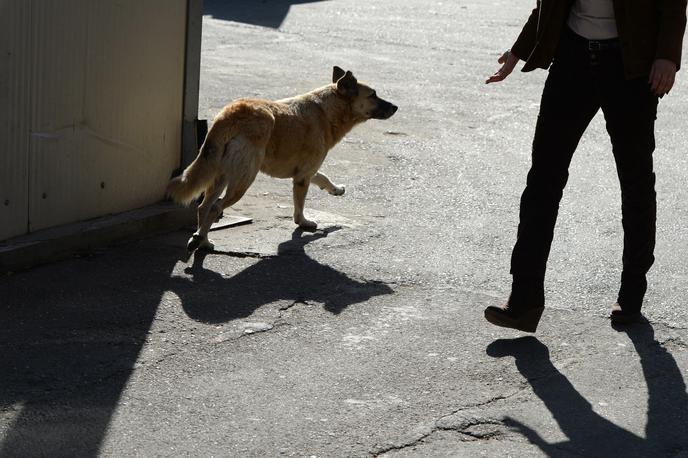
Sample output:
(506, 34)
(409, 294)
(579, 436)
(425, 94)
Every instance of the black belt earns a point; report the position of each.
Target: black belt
(595, 45)
(603, 45)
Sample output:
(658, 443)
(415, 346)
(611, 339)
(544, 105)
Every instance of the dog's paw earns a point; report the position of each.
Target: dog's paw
(338, 190)
(308, 225)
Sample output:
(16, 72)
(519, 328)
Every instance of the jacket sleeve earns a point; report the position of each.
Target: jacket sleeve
(672, 25)
(526, 40)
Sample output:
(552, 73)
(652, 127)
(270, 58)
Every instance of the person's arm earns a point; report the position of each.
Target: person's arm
(526, 40)
(520, 50)
(672, 25)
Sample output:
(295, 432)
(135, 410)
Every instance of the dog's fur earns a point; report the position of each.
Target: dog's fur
(287, 138)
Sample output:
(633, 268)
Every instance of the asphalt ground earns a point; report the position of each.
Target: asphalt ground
(367, 337)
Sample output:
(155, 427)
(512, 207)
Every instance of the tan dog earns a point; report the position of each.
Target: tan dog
(287, 138)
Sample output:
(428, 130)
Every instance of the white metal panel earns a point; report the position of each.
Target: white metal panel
(108, 86)
(15, 71)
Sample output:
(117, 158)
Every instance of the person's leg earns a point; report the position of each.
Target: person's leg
(630, 110)
(568, 104)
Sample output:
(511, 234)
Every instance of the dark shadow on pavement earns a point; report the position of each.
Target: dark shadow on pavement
(265, 13)
(290, 275)
(70, 335)
(590, 434)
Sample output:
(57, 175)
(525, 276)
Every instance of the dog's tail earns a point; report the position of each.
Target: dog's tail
(197, 177)
(245, 119)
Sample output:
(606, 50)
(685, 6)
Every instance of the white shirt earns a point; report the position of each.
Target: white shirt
(593, 19)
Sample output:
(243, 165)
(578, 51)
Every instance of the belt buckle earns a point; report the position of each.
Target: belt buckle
(594, 46)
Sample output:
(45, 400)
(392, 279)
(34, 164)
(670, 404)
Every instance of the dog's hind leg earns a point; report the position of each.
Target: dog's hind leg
(242, 164)
(207, 213)
(323, 182)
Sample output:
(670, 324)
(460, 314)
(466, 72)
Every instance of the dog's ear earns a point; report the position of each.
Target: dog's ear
(337, 73)
(347, 85)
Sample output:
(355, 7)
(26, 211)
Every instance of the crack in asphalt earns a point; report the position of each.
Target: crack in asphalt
(462, 430)
(158, 360)
(278, 323)
(466, 425)
(293, 304)
(492, 400)
(673, 342)
(463, 427)
(244, 254)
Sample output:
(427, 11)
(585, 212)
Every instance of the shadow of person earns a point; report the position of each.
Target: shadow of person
(667, 406)
(292, 275)
(265, 13)
(588, 433)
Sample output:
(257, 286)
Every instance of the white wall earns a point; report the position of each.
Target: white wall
(91, 96)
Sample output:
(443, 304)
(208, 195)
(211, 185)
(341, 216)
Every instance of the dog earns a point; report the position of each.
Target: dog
(287, 138)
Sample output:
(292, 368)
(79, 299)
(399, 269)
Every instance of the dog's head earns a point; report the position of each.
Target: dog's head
(364, 101)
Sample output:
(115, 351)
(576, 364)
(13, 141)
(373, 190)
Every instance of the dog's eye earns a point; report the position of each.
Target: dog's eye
(373, 95)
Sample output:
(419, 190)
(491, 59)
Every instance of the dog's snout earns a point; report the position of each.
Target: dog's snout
(384, 110)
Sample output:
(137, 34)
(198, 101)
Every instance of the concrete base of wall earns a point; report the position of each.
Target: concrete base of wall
(58, 243)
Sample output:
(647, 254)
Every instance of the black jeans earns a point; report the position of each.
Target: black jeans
(580, 82)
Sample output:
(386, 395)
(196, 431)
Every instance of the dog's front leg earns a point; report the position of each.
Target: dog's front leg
(323, 182)
(300, 191)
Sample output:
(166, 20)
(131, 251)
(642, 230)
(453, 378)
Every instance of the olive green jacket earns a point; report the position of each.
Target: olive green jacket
(648, 30)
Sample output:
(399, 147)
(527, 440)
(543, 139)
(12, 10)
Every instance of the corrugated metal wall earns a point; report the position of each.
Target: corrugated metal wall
(15, 107)
(91, 111)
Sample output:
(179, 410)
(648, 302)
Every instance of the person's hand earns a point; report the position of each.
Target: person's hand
(662, 76)
(508, 61)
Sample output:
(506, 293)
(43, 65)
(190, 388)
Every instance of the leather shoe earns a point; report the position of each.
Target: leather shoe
(621, 316)
(523, 319)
